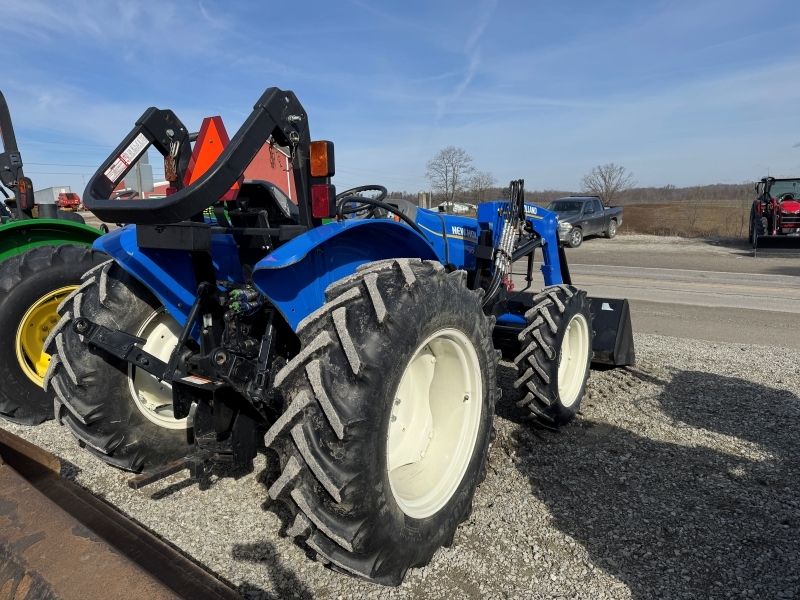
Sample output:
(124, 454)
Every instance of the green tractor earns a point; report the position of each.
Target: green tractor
(42, 260)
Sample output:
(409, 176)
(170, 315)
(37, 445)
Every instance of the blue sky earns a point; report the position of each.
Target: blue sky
(678, 92)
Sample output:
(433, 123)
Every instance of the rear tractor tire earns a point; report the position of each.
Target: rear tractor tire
(32, 284)
(556, 352)
(387, 418)
(119, 413)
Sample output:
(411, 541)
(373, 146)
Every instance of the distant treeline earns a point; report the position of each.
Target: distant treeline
(641, 195)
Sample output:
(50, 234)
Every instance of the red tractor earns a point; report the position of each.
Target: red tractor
(775, 214)
(68, 201)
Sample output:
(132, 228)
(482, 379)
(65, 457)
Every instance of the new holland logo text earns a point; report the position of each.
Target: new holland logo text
(465, 233)
(530, 209)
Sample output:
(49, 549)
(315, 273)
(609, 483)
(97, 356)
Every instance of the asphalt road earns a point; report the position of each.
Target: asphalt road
(694, 289)
(690, 288)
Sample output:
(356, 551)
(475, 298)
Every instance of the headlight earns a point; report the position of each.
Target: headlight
(565, 225)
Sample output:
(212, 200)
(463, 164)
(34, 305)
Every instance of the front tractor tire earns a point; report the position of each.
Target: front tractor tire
(119, 413)
(758, 226)
(387, 418)
(32, 285)
(553, 366)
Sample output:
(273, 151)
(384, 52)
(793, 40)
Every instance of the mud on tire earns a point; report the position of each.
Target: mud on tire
(24, 280)
(551, 389)
(339, 398)
(93, 398)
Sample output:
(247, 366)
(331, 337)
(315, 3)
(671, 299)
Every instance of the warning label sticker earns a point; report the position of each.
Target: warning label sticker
(115, 170)
(195, 379)
(135, 149)
(124, 160)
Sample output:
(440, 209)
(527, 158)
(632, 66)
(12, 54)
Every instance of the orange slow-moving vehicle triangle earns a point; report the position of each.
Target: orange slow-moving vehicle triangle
(211, 141)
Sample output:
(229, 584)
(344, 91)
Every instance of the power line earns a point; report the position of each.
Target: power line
(386, 175)
(393, 180)
(371, 170)
(59, 165)
(65, 144)
(55, 173)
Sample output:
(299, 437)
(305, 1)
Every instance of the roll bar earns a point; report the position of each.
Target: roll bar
(10, 159)
(11, 173)
(277, 114)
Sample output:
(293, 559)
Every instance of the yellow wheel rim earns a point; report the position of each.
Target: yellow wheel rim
(33, 330)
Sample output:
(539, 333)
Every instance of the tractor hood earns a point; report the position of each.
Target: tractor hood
(790, 207)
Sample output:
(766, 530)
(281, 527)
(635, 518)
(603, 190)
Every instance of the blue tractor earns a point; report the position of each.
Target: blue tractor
(355, 336)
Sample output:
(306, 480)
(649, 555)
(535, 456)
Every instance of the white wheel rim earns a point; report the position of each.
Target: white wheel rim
(572, 360)
(576, 237)
(434, 423)
(152, 396)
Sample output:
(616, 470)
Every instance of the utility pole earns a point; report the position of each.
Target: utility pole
(139, 179)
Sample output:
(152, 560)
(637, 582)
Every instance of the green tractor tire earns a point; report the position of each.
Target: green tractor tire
(32, 285)
(17, 237)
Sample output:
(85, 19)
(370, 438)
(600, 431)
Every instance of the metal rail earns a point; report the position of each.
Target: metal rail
(59, 541)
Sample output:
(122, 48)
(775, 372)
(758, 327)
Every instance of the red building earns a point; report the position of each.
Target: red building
(270, 164)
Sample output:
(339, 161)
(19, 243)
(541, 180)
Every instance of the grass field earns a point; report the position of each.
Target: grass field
(709, 218)
(701, 218)
(717, 218)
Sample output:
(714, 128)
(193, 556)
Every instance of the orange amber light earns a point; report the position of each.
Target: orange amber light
(322, 159)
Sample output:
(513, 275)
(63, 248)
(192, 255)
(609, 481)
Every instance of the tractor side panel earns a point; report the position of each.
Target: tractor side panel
(19, 236)
(453, 238)
(169, 274)
(294, 277)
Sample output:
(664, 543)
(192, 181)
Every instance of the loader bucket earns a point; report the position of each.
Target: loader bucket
(613, 333)
(59, 541)
(776, 245)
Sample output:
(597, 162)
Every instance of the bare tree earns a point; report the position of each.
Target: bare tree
(449, 173)
(692, 213)
(480, 184)
(607, 181)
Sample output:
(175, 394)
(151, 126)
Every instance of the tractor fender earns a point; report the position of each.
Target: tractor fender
(19, 236)
(169, 274)
(294, 277)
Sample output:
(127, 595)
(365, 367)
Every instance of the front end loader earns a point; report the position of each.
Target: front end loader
(350, 334)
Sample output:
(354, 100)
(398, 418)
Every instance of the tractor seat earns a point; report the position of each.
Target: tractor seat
(404, 206)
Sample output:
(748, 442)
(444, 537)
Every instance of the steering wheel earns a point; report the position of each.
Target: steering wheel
(786, 196)
(128, 195)
(350, 197)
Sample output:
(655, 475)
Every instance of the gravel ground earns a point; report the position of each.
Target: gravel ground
(679, 479)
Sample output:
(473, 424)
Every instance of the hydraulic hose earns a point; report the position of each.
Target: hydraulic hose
(513, 212)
